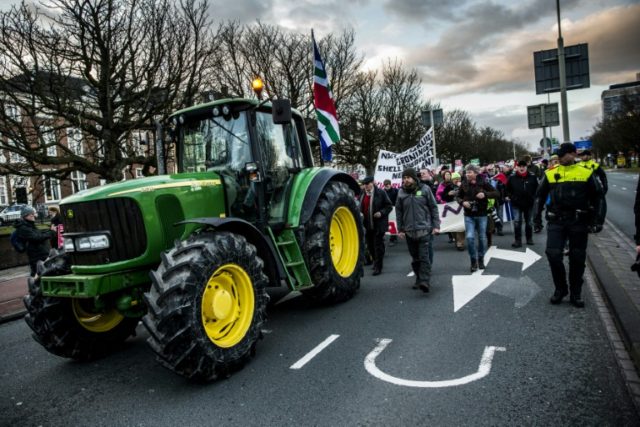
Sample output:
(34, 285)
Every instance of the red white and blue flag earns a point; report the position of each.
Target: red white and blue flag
(328, 129)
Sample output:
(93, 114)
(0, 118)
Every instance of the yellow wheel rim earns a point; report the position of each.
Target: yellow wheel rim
(95, 320)
(228, 303)
(344, 242)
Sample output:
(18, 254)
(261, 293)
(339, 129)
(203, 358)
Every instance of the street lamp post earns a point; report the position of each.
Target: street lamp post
(563, 81)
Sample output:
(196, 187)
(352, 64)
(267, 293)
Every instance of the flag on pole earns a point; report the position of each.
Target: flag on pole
(328, 130)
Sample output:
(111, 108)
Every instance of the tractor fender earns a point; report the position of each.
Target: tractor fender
(273, 266)
(316, 187)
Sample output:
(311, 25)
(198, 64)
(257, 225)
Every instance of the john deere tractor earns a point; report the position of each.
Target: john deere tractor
(191, 254)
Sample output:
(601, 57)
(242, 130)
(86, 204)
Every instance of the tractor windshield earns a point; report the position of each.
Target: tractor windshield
(216, 143)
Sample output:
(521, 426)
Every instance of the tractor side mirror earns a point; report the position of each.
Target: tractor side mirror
(281, 111)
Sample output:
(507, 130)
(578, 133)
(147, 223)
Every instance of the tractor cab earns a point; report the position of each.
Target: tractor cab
(256, 149)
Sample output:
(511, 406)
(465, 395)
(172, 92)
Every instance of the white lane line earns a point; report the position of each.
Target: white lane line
(624, 188)
(484, 368)
(300, 363)
(411, 274)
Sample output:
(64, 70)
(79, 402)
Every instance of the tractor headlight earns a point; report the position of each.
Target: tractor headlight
(85, 243)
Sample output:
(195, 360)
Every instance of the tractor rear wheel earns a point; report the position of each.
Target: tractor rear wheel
(206, 305)
(333, 246)
(73, 327)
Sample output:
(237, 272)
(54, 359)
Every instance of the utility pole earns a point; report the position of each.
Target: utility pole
(563, 81)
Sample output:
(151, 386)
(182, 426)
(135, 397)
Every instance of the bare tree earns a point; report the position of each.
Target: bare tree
(104, 68)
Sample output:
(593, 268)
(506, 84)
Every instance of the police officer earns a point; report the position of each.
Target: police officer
(589, 163)
(575, 209)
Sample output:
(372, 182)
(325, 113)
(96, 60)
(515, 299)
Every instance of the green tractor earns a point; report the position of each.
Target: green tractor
(191, 254)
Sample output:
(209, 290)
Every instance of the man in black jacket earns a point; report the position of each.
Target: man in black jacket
(418, 220)
(37, 241)
(521, 191)
(375, 207)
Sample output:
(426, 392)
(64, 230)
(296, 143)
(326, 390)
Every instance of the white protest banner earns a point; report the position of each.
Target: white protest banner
(451, 217)
(390, 165)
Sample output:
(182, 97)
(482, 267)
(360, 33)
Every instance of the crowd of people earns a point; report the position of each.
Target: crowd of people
(569, 192)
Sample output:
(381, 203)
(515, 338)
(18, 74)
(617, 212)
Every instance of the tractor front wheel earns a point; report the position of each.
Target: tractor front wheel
(207, 305)
(333, 245)
(73, 327)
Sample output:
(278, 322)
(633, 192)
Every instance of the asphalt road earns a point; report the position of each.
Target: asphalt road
(400, 357)
(620, 199)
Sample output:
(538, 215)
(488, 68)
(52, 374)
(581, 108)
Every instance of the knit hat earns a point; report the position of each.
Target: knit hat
(565, 148)
(27, 210)
(367, 180)
(522, 163)
(455, 175)
(410, 172)
(472, 168)
(585, 153)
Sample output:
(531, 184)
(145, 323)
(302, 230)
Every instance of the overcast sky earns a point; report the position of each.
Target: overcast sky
(474, 55)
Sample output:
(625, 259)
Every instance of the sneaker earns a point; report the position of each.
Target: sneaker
(516, 244)
(424, 286)
(474, 266)
(481, 263)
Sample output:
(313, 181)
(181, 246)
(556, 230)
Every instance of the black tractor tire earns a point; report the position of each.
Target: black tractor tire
(207, 305)
(335, 278)
(69, 327)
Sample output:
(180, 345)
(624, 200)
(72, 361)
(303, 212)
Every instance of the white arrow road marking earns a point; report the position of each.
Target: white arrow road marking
(483, 369)
(313, 353)
(466, 288)
(287, 297)
(527, 258)
(522, 290)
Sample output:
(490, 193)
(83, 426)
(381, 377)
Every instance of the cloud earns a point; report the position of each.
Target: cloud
(505, 63)
(243, 11)
(422, 10)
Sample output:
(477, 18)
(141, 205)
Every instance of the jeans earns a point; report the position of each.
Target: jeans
(520, 215)
(473, 225)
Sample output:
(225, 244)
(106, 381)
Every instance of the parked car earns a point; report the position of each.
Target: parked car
(10, 214)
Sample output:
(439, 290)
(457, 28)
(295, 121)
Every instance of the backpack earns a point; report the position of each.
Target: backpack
(18, 244)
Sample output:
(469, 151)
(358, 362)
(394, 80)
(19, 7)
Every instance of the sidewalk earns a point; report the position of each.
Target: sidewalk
(610, 255)
(13, 286)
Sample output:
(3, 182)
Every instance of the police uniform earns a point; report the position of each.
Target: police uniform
(574, 209)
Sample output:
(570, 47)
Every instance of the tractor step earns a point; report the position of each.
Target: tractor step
(292, 259)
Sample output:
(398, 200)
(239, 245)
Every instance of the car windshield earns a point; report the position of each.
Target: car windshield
(216, 143)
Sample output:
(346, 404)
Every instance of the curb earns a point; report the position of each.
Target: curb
(13, 316)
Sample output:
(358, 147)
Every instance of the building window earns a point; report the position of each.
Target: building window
(12, 112)
(4, 197)
(51, 189)
(49, 141)
(78, 181)
(15, 157)
(74, 141)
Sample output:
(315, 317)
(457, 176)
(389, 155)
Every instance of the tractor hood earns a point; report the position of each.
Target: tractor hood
(134, 187)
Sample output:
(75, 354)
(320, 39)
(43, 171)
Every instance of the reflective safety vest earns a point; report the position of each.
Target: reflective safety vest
(589, 164)
(571, 173)
(568, 188)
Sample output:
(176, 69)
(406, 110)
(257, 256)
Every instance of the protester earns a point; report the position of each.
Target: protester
(427, 179)
(636, 237)
(418, 220)
(575, 209)
(459, 235)
(473, 196)
(56, 227)
(392, 193)
(37, 241)
(375, 207)
(521, 191)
